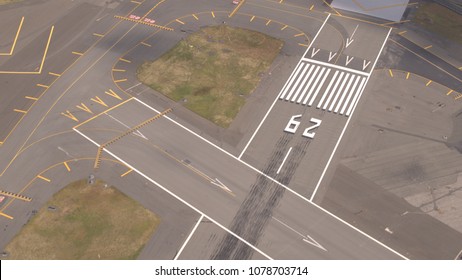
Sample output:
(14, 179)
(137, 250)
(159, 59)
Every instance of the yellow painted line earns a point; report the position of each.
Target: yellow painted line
(284, 27)
(70, 116)
(213, 14)
(407, 75)
(427, 47)
(125, 60)
(6, 216)
(332, 8)
(97, 34)
(450, 91)
(118, 70)
(126, 173)
(402, 32)
(46, 49)
(280, 1)
(20, 111)
(113, 94)
(303, 45)
(77, 53)
(268, 22)
(146, 44)
(298, 35)
(31, 98)
(152, 9)
(54, 74)
(429, 82)
(252, 18)
(15, 39)
(311, 8)
(195, 16)
(179, 21)
(98, 100)
(237, 8)
(67, 166)
(391, 73)
(44, 178)
(136, 2)
(104, 112)
(84, 108)
(44, 86)
(121, 80)
(460, 96)
(460, 68)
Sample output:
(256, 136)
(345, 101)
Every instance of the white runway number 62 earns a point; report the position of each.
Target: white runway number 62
(293, 125)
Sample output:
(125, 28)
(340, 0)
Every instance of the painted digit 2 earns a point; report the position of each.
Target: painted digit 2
(293, 125)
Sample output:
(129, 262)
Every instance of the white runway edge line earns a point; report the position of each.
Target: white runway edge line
(273, 180)
(349, 119)
(174, 195)
(282, 90)
(189, 237)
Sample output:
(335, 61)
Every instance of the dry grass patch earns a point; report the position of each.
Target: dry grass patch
(213, 70)
(90, 222)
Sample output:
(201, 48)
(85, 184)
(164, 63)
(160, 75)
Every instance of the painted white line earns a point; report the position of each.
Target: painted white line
(174, 195)
(133, 87)
(338, 67)
(326, 92)
(350, 94)
(339, 92)
(307, 85)
(460, 254)
(333, 91)
(344, 93)
(306, 67)
(189, 237)
(346, 125)
(284, 160)
(304, 237)
(302, 83)
(357, 94)
(276, 99)
(291, 79)
(312, 88)
(138, 133)
(318, 89)
(259, 172)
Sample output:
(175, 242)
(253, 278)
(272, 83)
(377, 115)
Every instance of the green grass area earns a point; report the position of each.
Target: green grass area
(440, 20)
(213, 70)
(4, 2)
(90, 222)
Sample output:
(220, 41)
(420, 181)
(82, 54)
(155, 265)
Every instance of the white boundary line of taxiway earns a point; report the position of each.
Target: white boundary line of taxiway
(285, 85)
(348, 121)
(271, 179)
(174, 195)
(189, 237)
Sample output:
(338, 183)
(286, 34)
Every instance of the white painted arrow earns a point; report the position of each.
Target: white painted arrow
(366, 64)
(314, 52)
(306, 238)
(137, 133)
(350, 39)
(331, 56)
(219, 184)
(348, 60)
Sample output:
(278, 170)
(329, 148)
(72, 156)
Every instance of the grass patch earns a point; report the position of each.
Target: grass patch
(213, 70)
(4, 2)
(90, 222)
(440, 20)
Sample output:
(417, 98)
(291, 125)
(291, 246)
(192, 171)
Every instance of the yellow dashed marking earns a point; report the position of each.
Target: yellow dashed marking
(44, 178)
(54, 74)
(303, 45)
(179, 21)
(460, 96)
(20, 111)
(126, 173)
(213, 14)
(311, 8)
(427, 47)
(121, 80)
(6, 216)
(77, 53)
(136, 2)
(119, 70)
(125, 60)
(268, 22)
(284, 27)
(97, 34)
(391, 73)
(67, 166)
(146, 44)
(407, 75)
(298, 35)
(402, 32)
(70, 116)
(195, 16)
(252, 18)
(31, 98)
(450, 91)
(429, 82)
(44, 86)
(98, 100)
